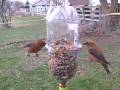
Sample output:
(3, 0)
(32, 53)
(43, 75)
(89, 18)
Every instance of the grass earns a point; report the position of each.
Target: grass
(23, 30)
(13, 76)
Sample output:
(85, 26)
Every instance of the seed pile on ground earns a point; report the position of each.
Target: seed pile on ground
(63, 60)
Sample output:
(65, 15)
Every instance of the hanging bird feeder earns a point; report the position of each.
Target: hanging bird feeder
(62, 41)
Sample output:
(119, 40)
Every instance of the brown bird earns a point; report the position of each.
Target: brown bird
(96, 54)
(35, 46)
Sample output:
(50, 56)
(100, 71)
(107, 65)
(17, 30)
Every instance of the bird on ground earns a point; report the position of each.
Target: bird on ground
(96, 54)
(35, 46)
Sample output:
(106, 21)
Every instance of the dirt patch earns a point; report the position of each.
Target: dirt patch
(112, 38)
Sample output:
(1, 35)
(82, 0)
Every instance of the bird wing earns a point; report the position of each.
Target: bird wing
(28, 45)
(98, 55)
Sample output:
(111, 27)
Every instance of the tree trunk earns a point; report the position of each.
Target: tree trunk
(114, 20)
(110, 22)
(105, 10)
(5, 13)
(114, 6)
(104, 6)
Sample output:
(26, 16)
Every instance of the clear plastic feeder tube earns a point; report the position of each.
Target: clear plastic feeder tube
(62, 41)
(62, 23)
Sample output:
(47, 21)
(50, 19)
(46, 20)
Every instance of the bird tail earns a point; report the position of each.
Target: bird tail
(106, 68)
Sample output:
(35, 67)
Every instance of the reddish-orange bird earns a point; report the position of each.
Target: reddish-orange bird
(96, 54)
(35, 46)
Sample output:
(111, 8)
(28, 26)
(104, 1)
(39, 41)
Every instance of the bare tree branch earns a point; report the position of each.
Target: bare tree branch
(5, 12)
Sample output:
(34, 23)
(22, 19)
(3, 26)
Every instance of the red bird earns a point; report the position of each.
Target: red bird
(35, 46)
(96, 54)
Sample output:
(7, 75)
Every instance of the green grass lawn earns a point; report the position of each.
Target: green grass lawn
(24, 29)
(16, 75)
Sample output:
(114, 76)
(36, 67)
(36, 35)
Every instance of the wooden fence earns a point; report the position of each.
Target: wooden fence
(92, 13)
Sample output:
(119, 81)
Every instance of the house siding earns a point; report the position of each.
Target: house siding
(40, 7)
(79, 2)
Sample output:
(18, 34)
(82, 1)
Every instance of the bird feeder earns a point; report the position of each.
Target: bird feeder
(62, 41)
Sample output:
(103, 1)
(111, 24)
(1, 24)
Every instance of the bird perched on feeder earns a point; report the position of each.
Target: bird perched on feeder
(96, 54)
(35, 46)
